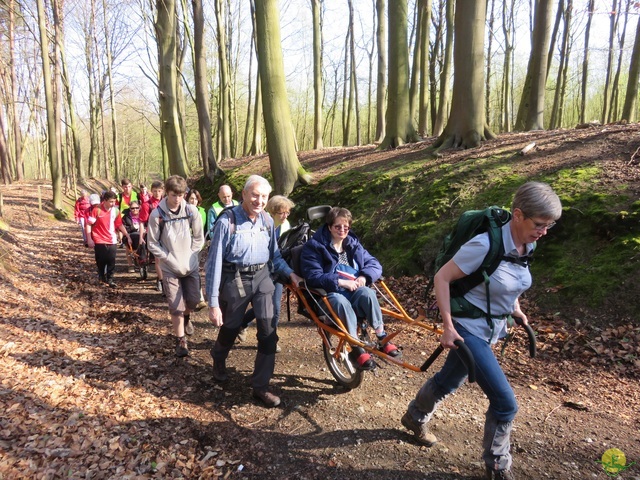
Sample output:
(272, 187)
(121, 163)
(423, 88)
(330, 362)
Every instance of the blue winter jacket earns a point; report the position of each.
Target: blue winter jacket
(318, 260)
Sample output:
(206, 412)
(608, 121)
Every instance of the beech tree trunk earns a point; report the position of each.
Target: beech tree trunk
(585, 62)
(316, 7)
(168, 87)
(630, 100)
(381, 92)
(466, 126)
(445, 73)
(285, 166)
(52, 134)
(209, 163)
(531, 111)
(399, 124)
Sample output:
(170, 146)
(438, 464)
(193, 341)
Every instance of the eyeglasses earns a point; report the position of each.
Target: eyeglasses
(285, 214)
(341, 227)
(542, 226)
(135, 208)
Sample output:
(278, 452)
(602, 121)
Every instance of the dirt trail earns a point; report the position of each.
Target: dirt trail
(90, 388)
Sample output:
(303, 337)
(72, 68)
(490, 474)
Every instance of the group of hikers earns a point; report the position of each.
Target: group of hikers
(245, 272)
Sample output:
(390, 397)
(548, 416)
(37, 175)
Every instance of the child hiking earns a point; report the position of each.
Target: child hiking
(175, 237)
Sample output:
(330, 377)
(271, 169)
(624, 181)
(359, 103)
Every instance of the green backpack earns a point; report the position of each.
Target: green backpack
(470, 224)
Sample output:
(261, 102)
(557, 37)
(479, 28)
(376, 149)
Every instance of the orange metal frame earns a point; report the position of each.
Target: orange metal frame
(341, 333)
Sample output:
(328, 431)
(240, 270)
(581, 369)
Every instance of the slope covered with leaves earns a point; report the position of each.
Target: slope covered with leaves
(90, 387)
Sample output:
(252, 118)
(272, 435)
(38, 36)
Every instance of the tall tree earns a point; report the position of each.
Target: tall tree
(224, 115)
(166, 29)
(466, 126)
(316, 9)
(5, 169)
(445, 72)
(52, 132)
(381, 92)
(209, 162)
(615, 89)
(613, 27)
(585, 62)
(285, 166)
(17, 132)
(508, 29)
(487, 93)
(630, 100)
(557, 109)
(400, 128)
(112, 102)
(423, 97)
(531, 110)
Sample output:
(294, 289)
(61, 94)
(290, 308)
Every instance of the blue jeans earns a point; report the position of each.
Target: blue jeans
(493, 382)
(362, 304)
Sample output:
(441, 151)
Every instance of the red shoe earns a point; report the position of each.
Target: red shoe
(390, 349)
(361, 359)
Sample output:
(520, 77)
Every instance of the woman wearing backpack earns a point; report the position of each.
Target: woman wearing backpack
(535, 209)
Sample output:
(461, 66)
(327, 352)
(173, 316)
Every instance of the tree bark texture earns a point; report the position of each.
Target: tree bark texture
(52, 135)
(466, 125)
(381, 93)
(531, 110)
(17, 132)
(423, 97)
(285, 166)
(168, 87)
(445, 73)
(629, 109)
(224, 126)
(209, 162)
(585, 62)
(399, 124)
(316, 11)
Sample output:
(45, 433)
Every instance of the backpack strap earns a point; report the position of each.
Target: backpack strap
(495, 218)
(228, 211)
(164, 218)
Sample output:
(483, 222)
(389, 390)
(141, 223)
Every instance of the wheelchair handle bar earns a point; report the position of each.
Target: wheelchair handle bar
(530, 334)
(465, 355)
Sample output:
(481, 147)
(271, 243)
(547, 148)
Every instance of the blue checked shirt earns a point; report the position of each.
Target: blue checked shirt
(251, 244)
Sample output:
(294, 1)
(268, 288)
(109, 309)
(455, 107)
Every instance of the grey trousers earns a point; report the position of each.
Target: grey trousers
(258, 290)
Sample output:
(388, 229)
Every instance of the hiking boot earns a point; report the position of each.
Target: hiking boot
(220, 374)
(420, 430)
(188, 326)
(159, 286)
(492, 474)
(266, 397)
(181, 347)
(111, 283)
(278, 349)
(201, 304)
(242, 335)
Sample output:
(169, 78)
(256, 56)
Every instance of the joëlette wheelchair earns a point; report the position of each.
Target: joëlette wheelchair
(337, 342)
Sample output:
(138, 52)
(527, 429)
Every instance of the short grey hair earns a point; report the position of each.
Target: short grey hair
(259, 180)
(537, 199)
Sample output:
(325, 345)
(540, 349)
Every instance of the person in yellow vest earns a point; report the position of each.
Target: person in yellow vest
(123, 201)
(279, 207)
(225, 196)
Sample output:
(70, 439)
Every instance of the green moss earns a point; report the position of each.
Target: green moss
(402, 211)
